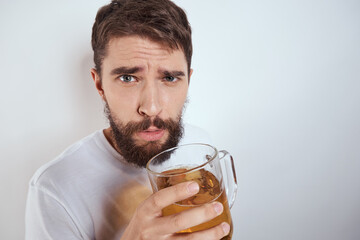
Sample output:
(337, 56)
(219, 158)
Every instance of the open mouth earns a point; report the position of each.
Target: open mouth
(151, 134)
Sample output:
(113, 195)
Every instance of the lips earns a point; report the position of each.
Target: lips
(151, 134)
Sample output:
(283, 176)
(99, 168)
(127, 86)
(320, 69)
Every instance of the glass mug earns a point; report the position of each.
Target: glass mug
(203, 164)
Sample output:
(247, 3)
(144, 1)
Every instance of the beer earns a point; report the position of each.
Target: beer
(210, 190)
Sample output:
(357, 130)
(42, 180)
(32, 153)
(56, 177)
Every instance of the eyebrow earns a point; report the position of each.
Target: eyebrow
(125, 70)
(173, 73)
(132, 70)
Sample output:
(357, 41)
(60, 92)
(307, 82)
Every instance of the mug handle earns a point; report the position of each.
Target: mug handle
(228, 168)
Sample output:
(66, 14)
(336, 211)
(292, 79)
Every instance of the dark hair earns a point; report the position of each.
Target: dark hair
(158, 20)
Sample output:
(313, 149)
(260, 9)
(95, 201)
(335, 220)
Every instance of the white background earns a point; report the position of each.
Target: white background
(276, 83)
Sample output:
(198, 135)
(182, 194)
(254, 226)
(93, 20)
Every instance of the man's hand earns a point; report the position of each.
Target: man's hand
(149, 224)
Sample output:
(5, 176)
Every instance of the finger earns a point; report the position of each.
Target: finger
(167, 196)
(189, 218)
(214, 233)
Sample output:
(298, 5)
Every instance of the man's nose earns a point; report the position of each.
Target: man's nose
(150, 104)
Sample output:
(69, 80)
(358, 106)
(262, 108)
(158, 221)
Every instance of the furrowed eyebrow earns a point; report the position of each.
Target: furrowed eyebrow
(173, 73)
(125, 70)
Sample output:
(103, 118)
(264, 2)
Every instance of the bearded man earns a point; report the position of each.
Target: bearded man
(97, 188)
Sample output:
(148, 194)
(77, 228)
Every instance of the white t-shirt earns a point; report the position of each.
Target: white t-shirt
(89, 191)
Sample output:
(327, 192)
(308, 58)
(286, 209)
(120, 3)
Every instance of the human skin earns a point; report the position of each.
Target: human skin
(141, 79)
(151, 92)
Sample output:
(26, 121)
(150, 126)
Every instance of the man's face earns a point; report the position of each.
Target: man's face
(144, 85)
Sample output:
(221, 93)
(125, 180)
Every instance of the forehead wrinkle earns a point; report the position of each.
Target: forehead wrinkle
(139, 54)
(139, 45)
(134, 53)
(142, 53)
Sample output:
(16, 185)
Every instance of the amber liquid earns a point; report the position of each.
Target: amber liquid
(210, 190)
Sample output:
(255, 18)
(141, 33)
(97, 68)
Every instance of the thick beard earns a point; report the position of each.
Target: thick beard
(122, 135)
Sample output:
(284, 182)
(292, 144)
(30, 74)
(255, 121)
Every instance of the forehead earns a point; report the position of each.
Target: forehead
(132, 50)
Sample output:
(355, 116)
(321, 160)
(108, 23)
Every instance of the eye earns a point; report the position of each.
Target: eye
(170, 79)
(127, 78)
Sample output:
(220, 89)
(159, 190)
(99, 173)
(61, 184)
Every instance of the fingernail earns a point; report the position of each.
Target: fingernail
(218, 207)
(226, 228)
(193, 187)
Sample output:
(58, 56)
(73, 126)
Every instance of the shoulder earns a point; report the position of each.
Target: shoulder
(67, 164)
(195, 134)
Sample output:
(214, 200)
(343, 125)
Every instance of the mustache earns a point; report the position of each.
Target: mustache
(133, 127)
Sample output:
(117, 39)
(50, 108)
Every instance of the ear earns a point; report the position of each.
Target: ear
(190, 73)
(97, 80)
